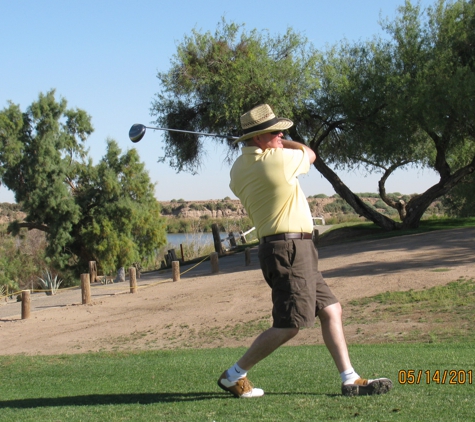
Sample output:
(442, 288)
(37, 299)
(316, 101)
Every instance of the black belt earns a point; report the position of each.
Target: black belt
(285, 236)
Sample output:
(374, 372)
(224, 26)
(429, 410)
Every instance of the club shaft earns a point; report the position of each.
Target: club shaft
(193, 133)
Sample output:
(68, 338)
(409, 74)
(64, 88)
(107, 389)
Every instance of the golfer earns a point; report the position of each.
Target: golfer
(264, 178)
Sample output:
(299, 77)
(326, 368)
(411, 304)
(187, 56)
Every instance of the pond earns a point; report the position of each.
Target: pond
(176, 239)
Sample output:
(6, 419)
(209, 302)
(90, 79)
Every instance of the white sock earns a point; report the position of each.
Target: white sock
(235, 373)
(349, 376)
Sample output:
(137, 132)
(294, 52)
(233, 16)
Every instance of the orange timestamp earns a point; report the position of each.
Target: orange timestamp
(438, 376)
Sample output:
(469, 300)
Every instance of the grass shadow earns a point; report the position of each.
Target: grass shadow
(110, 399)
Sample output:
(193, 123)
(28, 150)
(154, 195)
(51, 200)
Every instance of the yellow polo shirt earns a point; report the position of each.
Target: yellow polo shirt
(267, 185)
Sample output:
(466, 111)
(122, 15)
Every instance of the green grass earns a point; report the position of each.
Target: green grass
(452, 296)
(438, 313)
(365, 231)
(301, 384)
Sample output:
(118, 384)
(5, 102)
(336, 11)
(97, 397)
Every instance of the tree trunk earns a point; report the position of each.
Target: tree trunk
(418, 205)
(353, 200)
(415, 208)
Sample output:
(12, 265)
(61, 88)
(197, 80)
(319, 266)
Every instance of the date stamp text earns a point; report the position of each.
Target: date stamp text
(438, 376)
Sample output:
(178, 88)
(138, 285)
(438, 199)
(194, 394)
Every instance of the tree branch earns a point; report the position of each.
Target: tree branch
(31, 226)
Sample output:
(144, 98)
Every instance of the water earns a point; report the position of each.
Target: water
(176, 239)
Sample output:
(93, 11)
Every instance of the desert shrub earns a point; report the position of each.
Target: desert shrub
(167, 210)
(368, 195)
(381, 204)
(197, 207)
(338, 206)
(50, 283)
(21, 258)
(211, 206)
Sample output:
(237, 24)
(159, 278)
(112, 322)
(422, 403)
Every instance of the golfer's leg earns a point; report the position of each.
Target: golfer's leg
(265, 344)
(333, 336)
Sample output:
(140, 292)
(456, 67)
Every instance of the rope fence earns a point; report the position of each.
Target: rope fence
(85, 286)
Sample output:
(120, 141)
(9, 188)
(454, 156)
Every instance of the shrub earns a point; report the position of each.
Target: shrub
(167, 210)
(368, 195)
(197, 207)
(337, 206)
(49, 283)
(381, 204)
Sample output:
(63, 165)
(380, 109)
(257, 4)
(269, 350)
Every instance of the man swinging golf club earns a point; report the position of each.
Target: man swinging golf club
(264, 178)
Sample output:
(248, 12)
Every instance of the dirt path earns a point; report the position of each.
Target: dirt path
(230, 308)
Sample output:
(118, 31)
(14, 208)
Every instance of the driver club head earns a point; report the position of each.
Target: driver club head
(137, 132)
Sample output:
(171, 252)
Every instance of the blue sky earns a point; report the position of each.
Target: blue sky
(103, 56)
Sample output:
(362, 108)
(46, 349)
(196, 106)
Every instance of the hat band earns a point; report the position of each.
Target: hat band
(262, 126)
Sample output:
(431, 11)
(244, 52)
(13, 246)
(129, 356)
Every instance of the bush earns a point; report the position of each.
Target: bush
(211, 206)
(338, 206)
(368, 195)
(49, 283)
(167, 210)
(381, 204)
(197, 207)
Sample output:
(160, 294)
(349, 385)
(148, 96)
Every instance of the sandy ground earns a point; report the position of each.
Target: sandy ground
(229, 308)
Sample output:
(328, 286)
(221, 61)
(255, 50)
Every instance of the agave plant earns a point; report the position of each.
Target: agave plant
(49, 283)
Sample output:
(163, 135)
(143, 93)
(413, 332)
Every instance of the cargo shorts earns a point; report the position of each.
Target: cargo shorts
(290, 268)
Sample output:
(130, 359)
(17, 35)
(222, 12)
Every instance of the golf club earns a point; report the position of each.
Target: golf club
(137, 132)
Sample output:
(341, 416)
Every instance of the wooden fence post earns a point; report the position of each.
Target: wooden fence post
(315, 236)
(214, 262)
(232, 240)
(25, 304)
(247, 257)
(85, 289)
(218, 246)
(176, 270)
(92, 271)
(133, 280)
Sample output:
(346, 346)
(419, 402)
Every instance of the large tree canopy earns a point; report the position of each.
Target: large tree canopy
(105, 212)
(380, 105)
(214, 78)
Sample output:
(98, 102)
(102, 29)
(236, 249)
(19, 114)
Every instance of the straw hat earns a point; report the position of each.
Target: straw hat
(261, 119)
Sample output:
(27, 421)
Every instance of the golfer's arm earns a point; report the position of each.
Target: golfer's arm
(297, 145)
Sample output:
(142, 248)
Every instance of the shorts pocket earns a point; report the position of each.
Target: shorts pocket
(276, 261)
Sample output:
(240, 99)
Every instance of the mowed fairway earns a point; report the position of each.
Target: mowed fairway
(300, 383)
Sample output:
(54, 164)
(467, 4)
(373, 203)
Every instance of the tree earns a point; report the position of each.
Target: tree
(105, 213)
(379, 105)
(460, 201)
(214, 78)
(415, 95)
